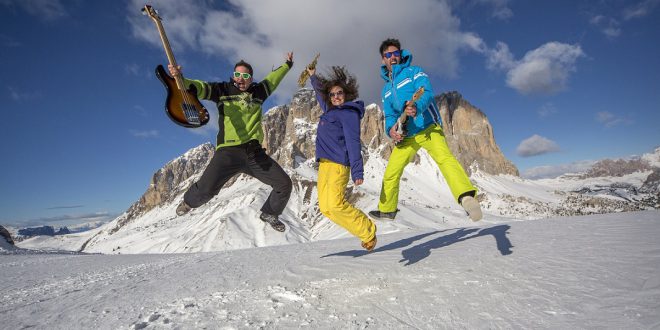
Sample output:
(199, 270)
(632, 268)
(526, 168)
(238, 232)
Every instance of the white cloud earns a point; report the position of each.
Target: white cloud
(44, 9)
(536, 145)
(261, 32)
(609, 119)
(640, 9)
(544, 70)
(500, 58)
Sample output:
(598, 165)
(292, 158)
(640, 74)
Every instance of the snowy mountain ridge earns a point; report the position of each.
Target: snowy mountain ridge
(230, 219)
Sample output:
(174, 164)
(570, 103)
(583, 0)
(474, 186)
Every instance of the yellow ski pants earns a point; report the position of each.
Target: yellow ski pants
(433, 140)
(332, 182)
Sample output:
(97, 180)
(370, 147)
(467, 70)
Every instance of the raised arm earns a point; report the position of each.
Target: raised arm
(316, 84)
(274, 78)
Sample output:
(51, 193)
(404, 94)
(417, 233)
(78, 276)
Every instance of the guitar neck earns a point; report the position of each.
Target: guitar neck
(168, 51)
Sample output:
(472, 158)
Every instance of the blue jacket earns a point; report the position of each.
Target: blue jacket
(338, 133)
(406, 80)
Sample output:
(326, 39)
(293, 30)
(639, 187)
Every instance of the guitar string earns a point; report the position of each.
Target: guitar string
(187, 100)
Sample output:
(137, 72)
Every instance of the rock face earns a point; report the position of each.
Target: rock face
(290, 136)
(4, 234)
(290, 133)
(617, 167)
(470, 136)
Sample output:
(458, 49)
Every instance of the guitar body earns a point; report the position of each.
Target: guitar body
(182, 106)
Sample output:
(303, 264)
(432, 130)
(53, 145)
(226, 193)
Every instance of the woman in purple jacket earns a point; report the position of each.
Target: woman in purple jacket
(338, 151)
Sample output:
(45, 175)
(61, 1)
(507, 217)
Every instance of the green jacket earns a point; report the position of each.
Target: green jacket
(239, 112)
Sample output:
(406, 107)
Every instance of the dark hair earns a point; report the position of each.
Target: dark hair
(389, 42)
(245, 64)
(339, 77)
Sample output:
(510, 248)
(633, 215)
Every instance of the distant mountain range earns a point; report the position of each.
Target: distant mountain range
(230, 220)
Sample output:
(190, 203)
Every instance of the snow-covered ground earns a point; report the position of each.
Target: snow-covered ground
(598, 271)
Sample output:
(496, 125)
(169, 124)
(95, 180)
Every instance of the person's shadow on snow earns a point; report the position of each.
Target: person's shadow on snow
(418, 252)
(421, 251)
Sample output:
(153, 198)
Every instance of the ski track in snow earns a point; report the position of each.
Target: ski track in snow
(582, 272)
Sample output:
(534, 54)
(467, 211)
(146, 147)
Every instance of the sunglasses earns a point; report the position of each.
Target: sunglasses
(338, 94)
(396, 53)
(243, 75)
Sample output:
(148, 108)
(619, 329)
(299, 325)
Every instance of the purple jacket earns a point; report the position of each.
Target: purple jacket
(338, 133)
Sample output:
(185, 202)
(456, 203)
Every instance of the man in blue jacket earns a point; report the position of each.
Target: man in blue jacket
(424, 130)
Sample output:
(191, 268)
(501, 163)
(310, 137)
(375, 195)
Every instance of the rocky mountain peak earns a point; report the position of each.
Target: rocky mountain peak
(470, 136)
(290, 136)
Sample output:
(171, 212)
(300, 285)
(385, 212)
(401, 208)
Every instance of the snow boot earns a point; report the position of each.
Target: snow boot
(471, 206)
(377, 214)
(273, 221)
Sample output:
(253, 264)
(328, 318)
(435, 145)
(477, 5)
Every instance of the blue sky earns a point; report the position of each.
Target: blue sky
(562, 82)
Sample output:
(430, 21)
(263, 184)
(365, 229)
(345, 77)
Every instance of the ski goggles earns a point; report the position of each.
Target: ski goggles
(396, 53)
(243, 75)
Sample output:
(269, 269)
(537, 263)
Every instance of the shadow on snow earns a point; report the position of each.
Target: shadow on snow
(418, 252)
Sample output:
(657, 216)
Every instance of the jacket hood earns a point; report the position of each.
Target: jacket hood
(406, 60)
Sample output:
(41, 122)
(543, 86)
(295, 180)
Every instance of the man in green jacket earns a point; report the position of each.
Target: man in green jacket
(239, 139)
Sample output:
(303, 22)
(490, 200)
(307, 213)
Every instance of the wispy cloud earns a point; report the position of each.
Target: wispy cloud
(145, 134)
(500, 8)
(640, 9)
(547, 110)
(553, 171)
(536, 145)
(609, 119)
(610, 27)
(132, 69)
(141, 110)
(47, 10)
(8, 41)
(65, 207)
(19, 96)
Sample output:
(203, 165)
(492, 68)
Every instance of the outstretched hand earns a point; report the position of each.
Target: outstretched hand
(289, 57)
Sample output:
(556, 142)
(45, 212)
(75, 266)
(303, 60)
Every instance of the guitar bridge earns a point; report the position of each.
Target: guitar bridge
(191, 114)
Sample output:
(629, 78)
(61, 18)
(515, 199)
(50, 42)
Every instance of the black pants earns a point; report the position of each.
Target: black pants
(249, 158)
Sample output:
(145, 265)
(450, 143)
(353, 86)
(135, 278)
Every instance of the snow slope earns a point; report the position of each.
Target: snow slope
(597, 271)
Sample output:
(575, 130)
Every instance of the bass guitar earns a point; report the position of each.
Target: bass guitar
(181, 105)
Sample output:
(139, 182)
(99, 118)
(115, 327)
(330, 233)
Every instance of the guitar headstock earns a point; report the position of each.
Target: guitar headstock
(151, 12)
(418, 94)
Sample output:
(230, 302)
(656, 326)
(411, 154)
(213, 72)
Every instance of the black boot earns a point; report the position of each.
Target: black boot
(273, 221)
